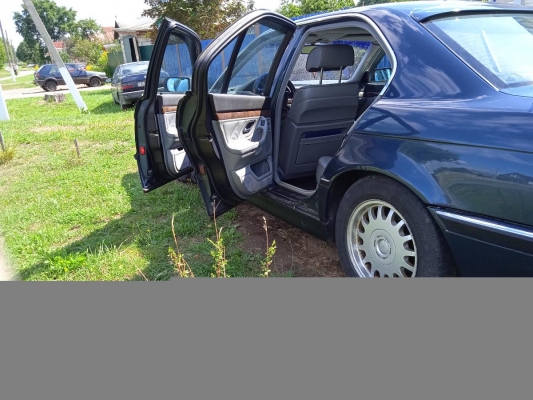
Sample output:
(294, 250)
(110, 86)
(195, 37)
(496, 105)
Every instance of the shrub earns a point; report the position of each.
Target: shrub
(6, 155)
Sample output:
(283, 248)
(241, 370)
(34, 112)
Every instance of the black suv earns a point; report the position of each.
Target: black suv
(48, 76)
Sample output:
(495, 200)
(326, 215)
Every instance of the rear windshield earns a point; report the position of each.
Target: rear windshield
(135, 69)
(498, 46)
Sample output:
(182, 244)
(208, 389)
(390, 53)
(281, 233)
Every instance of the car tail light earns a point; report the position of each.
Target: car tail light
(127, 86)
(142, 150)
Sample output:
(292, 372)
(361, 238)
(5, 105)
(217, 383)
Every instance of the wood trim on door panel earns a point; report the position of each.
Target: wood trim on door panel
(167, 109)
(242, 114)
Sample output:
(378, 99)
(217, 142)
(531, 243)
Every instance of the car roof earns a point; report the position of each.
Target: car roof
(423, 10)
(136, 63)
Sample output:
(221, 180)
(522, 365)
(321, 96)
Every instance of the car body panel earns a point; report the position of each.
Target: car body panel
(484, 247)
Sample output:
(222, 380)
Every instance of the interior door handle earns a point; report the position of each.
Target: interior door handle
(248, 127)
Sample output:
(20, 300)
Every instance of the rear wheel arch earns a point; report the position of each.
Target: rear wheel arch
(343, 181)
(371, 241)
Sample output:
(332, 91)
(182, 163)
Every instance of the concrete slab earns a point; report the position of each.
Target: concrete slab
(5, 270)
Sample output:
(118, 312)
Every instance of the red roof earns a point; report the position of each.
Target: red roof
(59, 45)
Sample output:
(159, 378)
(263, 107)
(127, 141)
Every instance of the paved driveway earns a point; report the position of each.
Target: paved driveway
(5, 272)
(21, 73)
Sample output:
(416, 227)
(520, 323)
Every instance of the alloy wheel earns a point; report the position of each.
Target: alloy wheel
(380, 242)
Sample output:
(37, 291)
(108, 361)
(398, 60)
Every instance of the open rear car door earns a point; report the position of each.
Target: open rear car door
(224, 120)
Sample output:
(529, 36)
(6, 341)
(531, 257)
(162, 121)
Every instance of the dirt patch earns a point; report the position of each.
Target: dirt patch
(298, 252)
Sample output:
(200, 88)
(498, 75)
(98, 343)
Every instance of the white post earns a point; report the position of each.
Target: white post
(55, 55)
(4, 115)
(8, 54)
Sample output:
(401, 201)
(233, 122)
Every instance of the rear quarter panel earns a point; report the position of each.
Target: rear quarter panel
(443, 131)
(446, 134)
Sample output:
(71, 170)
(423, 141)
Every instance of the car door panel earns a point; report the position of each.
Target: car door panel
(160, 155)
(176, 160)
(230, 128)
(245, 140)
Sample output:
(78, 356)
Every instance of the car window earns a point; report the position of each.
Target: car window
(177, 65)
(116, 74)
(135, 69)
(253, 64)
(497, 46)
(382, 71)
(300, 76)
(53, 70)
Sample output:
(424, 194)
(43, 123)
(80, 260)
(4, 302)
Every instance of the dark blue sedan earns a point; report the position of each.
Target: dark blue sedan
(401, 132)
(127, 84)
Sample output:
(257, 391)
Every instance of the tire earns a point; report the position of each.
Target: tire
(44, 88)
(50, 86)
(94, 82)
(383, 249)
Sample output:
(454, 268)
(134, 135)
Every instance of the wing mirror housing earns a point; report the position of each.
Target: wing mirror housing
(382, 74)
(179, 84)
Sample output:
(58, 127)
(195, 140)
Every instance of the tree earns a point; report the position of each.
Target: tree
(295, 8)
(87, 51)
(58, 21)
(65, 56)
(3, 56)
(206, 17)
(86, 29)
(27, 53)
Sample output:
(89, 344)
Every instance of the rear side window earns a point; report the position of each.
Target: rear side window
(498, 46)
(300, 76)
(382, 72)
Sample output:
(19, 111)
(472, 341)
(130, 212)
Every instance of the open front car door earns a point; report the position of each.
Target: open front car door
(160, 155)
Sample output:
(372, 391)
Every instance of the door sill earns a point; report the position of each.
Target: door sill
(296, 189)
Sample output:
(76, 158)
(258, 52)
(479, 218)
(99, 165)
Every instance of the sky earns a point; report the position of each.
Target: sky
(103, 11)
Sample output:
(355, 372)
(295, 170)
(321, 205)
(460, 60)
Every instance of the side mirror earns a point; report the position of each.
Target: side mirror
(178, 85)
(382, 74)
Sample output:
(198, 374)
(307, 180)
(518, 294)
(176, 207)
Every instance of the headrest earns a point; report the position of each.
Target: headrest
(330, 57)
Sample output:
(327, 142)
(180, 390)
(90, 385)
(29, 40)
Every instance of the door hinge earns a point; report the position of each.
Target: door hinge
(201, 169)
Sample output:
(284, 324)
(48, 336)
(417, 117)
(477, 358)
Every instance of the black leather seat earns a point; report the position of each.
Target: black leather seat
(320, 115)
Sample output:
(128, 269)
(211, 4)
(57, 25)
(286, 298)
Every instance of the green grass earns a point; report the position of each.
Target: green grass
(25, 82)
(65, 218)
